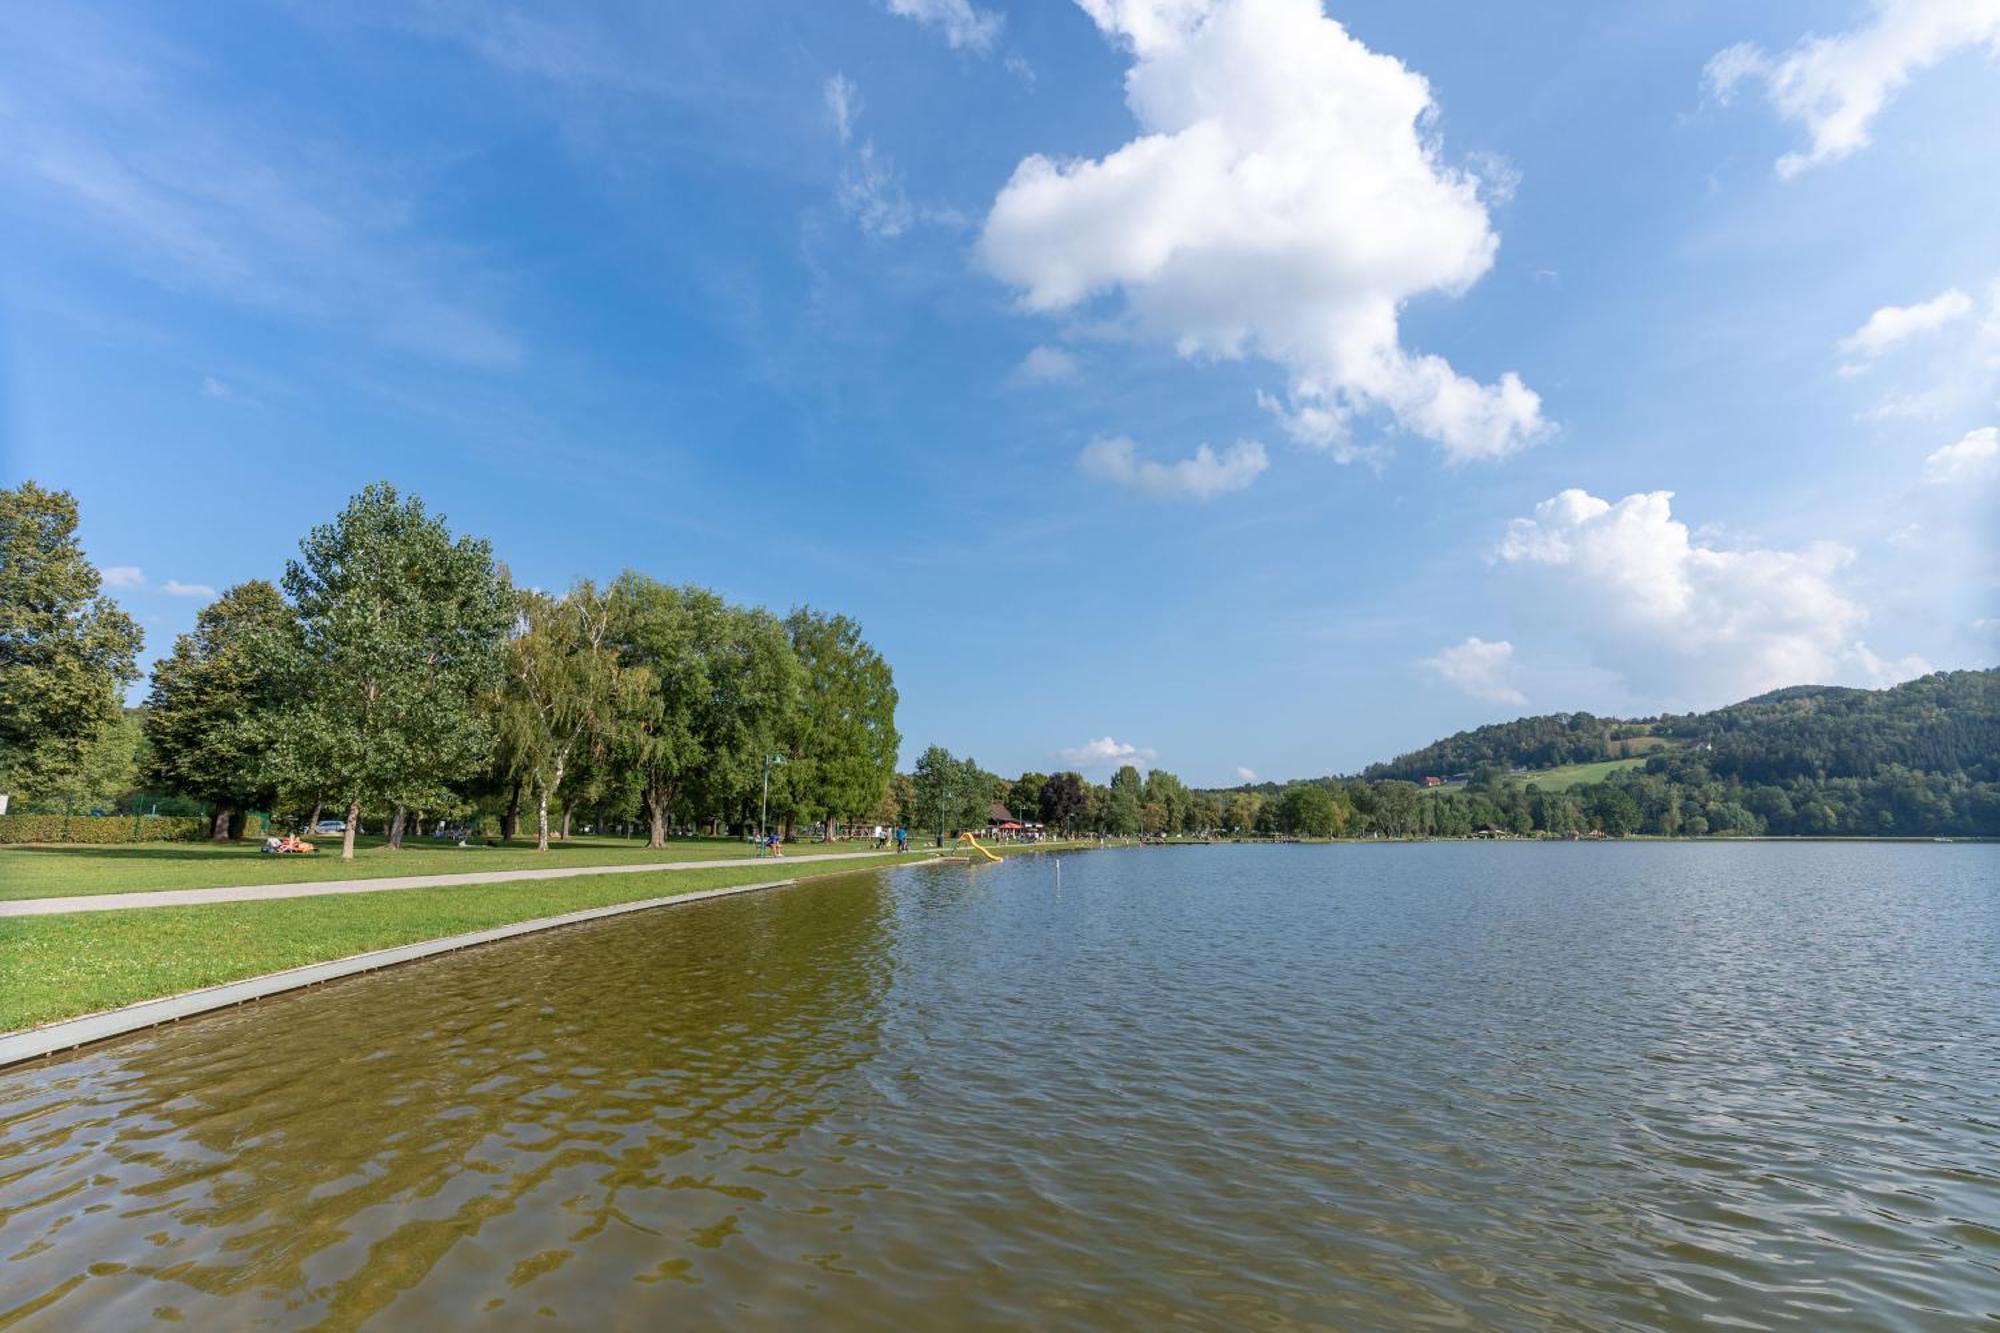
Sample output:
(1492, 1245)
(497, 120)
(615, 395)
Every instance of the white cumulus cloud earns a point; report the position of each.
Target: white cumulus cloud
(1834, 87)
(1104, 752)
(123, 576)
(962, 23)
(1481, 669)
(1972, 461)
(1046, 365)
(1680, 618)
(1895, 324)
(1284, 199)
(1203, 476)
(175, 588)
(1246, 775)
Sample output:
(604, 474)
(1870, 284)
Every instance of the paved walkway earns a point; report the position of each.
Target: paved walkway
(246, 893)
(16, 1047)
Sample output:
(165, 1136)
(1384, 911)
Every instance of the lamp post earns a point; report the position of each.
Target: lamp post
(764, 805)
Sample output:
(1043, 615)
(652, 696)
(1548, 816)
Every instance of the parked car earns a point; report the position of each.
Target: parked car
(330, 826)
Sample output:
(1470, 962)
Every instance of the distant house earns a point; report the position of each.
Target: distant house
(1434, 782)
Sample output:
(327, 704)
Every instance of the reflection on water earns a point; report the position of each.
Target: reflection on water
(1641, 1086)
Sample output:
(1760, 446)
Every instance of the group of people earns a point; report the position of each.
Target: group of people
(883, 835)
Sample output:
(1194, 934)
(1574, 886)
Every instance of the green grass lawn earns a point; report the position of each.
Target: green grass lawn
(51, 871)
(1576, 775)
(55, 967)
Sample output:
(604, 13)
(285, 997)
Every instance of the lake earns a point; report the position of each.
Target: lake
(1448, 1085)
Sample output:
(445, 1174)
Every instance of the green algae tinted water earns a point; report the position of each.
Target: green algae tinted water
(1518, 1086)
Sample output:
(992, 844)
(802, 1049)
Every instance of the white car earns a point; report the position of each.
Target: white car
(330, 826)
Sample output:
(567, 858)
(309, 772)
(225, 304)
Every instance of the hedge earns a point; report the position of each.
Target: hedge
(101, 828)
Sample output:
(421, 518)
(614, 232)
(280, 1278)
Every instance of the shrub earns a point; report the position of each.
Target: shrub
(100, 828)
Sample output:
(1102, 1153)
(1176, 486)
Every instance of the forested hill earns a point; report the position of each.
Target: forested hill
(1944, 723)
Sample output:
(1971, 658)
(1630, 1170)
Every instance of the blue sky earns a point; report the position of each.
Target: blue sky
(1238, 385)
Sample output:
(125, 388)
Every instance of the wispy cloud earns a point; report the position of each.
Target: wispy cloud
(1203, 476)
(1835, 86)
(175, 588)
(964, 25)
(843, 104)
(123, 576)
(1246, 775)
(1046, 365)
(106, 130)
(1892, 325)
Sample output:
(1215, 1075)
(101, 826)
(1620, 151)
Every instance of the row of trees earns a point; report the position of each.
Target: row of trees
(394, 669)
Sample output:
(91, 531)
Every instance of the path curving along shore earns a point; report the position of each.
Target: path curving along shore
(71, 1033)
(248, 893)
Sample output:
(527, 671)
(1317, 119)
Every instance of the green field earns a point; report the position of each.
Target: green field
(1577, 775)
(55, 967)
(51, 870)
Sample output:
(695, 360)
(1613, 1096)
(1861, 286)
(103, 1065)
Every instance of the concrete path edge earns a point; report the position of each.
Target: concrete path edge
(70, 1033)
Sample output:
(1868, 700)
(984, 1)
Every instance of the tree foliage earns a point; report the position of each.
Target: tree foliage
(66, 650)
(402, 628)
(221, 704)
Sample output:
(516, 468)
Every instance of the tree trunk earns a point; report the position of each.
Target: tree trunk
(396, 830)
(312, 820)
(510, 822)
(218, 828)
(542, 819)
(347, 835)
(656, 820)
(831, 824)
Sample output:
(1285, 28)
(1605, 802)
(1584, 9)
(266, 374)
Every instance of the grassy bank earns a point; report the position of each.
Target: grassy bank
(52, 871)
(59, 966)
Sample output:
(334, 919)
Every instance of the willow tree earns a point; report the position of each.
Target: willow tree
(842, 742)
(66, 650)
(402, 628)
(566, 688)
(723, 684)
(221, 703)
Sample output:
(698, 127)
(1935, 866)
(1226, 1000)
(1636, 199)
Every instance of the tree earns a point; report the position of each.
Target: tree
(1306, 810)
(565, 687)
(1171, 795)
(1121, 814)
(221, 702)
(403, 628)
(952, 793)
(1024, 796)
(725, 682)
(66, 651)
(843, 739)
(1243, 811)
(1062, 801)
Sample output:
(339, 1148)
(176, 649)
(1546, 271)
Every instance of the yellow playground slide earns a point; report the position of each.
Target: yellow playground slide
(973, 843)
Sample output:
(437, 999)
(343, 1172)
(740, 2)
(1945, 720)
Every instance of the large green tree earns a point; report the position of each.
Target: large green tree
(1306, 810)
(221, 705)
(724, 685)
(952, 794)
(1122, 807)
(66, 650)
(566, 689)
(1062, 801)
(402, 629)
(842, 740)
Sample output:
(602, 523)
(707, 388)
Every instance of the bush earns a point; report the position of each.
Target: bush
(100, 828)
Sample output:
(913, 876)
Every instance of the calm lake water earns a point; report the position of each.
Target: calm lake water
(1646, 1086)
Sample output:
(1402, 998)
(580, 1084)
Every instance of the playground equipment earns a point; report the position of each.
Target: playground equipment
(973, 843)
